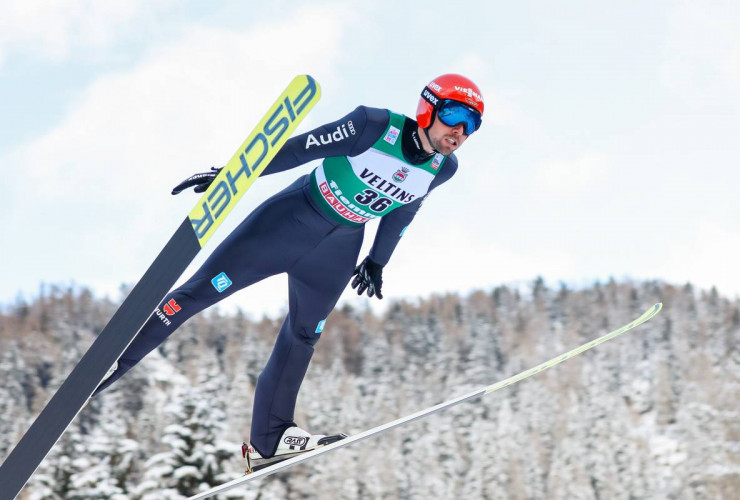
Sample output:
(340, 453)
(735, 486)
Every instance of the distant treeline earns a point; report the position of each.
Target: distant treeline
(652, 414)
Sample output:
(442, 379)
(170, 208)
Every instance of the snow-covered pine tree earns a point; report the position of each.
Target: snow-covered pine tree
(196, 454)
(13, 401)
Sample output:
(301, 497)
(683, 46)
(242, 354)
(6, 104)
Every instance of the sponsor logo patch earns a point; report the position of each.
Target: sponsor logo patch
(381, 186)
(415, 137)
(320, 326)
(171, 308)
(162, 317)
(339, 134)
(401, 174)
(338, 206)
(437, 161)
(221, 282)
(470, 92)
(430, 98)
(392, 136)
(296, 441)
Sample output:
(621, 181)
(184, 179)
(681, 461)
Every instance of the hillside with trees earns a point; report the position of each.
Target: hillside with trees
(652, 414)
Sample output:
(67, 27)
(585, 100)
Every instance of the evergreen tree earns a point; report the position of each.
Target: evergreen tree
(13, 403)
(649, 415)
(195, 453)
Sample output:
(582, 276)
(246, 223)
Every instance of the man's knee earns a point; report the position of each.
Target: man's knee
(311, 333)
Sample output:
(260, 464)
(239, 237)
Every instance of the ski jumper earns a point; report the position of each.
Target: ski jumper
(373, 167)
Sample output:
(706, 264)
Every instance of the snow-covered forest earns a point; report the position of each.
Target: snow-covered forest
(652, 414)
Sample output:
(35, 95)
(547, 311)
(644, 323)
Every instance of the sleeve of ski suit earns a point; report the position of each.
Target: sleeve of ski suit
(393, 225)
(348, 136)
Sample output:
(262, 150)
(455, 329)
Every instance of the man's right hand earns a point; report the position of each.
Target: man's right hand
(200, 181)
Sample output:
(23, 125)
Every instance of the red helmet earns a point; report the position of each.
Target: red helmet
(449, 87)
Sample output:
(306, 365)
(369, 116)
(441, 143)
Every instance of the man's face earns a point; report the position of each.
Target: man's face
(446, 139)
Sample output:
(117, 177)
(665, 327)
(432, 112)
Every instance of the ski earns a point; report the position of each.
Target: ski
(285, 464)
(233, 180)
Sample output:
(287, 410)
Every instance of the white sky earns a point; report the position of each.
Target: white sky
(609, 146)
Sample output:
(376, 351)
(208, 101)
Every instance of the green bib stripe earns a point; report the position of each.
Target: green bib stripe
(354, 190)
(387, 144)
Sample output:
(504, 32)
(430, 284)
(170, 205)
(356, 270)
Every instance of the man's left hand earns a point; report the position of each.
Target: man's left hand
(368, 276)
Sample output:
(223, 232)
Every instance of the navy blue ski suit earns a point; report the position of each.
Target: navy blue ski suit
(291, 233)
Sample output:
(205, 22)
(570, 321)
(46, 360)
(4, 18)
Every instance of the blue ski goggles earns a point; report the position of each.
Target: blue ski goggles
(453, 113)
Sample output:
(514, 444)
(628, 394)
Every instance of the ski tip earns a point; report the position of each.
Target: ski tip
(649, 314)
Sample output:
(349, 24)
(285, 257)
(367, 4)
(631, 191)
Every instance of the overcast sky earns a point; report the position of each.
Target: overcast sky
(609, 145)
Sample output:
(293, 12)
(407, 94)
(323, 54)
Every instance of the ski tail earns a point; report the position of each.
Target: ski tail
(283, 465)
(245, 166)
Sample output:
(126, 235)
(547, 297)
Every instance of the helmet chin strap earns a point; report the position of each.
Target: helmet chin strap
(426, 132)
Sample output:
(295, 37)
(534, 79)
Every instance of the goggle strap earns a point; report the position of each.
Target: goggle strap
(430, 97)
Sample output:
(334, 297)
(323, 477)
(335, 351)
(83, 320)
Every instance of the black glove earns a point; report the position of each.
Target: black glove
(200, 181)
(368, 275)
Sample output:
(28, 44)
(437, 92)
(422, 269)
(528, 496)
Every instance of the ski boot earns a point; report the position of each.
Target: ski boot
(294, 441)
